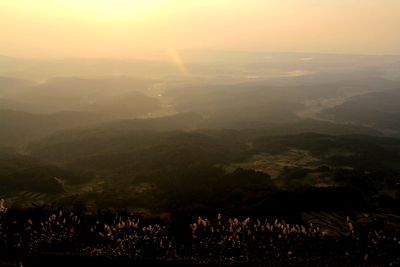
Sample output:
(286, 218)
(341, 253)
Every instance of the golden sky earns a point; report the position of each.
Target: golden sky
(141, 28)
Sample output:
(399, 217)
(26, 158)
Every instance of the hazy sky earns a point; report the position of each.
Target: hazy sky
(138, 28)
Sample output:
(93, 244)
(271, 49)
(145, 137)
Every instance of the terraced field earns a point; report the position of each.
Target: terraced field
(275, 164)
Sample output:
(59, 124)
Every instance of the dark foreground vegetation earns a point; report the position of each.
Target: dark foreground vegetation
(61, 237)
(143, 200)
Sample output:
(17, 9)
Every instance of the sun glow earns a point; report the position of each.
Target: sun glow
(112, 9)
(132, 28)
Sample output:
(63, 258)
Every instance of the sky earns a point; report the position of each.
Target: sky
(145, 28)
